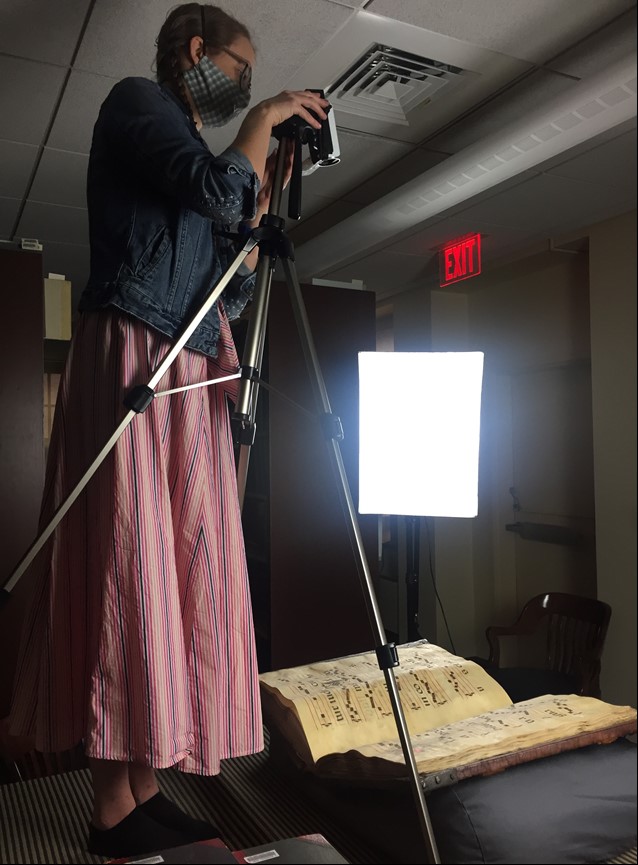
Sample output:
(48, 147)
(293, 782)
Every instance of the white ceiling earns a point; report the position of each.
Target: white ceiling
(58, 60)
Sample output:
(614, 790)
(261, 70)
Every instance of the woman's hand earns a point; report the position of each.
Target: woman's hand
(294, 102)
(253, 138)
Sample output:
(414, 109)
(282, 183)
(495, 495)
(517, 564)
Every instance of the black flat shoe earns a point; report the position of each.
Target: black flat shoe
(137, 833)
(167, 813)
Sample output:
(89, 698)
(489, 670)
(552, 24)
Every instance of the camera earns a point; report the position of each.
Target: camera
(323, 144)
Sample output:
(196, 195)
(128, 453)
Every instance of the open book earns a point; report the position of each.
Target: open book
(336, 718)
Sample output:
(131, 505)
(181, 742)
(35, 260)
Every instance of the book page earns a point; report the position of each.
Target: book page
(344, 703)
(502, 731)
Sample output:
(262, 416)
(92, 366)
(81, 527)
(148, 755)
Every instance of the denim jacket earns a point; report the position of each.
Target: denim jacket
(155, 196)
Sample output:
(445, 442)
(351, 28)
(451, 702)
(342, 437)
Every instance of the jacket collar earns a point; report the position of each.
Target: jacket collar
(175, 99)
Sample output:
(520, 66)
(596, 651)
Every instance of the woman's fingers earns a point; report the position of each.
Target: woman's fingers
(300, 103)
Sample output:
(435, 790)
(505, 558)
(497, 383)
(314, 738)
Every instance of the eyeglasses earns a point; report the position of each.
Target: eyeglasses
(246, 75)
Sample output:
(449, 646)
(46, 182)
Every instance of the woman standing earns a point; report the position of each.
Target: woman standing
(139, 641)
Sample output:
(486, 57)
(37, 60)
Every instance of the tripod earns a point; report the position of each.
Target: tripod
(273, 244)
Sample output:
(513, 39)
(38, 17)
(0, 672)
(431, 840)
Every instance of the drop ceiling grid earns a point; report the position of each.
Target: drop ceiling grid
(37, 39)
(120, 36)
(27, 98)
(41, 30)
(538, 31)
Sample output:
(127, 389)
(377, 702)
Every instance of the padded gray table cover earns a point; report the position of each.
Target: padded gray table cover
(575, 807)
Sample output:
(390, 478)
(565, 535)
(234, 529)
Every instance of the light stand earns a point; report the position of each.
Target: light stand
(273, 243)
(412, 545)
(439, 477)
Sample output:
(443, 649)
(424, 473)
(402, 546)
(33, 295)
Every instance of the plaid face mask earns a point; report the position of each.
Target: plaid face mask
(216, 96)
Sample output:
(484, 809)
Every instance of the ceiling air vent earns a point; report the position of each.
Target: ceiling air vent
(382, 77)
(388, 83)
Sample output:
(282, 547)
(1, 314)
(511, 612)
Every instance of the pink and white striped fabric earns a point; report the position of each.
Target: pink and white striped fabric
(140, 640)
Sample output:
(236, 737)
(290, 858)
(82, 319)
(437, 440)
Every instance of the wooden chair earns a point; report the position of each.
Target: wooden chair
(576, 631)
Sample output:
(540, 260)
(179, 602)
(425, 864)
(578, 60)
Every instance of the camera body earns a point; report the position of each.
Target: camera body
(323, 147)
(323, 144)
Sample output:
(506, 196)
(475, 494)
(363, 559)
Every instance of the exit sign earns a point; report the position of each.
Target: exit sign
(460, 259)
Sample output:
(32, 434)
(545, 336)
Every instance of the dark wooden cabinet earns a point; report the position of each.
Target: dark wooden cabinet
(308, 600)
(21, 437)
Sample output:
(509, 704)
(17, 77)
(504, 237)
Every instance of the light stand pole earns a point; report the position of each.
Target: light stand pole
(412, 545)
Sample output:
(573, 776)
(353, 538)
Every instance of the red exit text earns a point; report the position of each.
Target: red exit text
(460, 260)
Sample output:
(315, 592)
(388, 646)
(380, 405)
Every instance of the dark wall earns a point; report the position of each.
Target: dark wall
(317, 602)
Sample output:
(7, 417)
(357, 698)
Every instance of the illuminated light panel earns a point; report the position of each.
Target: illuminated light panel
(419, 423)
(460, 260)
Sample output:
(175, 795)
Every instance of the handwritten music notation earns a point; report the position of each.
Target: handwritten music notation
(533, 722)
(344, 703)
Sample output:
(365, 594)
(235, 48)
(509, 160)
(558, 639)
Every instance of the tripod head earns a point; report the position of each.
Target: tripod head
(323, 147)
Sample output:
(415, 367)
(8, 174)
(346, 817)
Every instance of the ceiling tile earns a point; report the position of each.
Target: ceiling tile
(8, 212)
(310, 205)
(517, 101)
(25, 83)
(120, 37)
(415, 110)
(79, 108)
(51, 222)
(611, 164)
(551, 202)
(537, 31)
(618, 39)
(393, 175)
(361, 156)
(121, 34)
(510, 184)
(52, 32)
(329, 215)
(17, 162)
(61, 178)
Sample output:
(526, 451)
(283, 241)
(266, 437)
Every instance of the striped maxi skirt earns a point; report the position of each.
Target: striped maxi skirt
(139, 640)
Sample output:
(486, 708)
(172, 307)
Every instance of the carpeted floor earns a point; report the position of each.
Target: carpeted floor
(44, 820)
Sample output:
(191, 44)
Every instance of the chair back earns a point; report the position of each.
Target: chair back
(576, 628)
(576, 631)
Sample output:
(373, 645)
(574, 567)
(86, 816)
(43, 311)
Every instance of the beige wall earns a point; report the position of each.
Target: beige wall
(529, 315)
(545, 310)
(612, 268)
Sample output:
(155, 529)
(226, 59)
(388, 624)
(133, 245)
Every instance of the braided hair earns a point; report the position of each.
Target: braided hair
(182, 23)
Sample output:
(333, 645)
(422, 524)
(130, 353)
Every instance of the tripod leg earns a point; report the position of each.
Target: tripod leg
(246, 406)
(137, 401)
(385, 654)
(245, 409)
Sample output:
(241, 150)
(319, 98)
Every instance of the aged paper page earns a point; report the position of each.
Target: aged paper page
(344, 703)
(521, 725)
